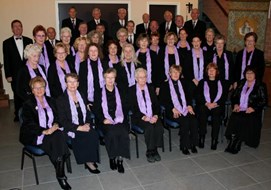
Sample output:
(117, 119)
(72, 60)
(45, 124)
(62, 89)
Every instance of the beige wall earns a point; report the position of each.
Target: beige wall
(33, 12)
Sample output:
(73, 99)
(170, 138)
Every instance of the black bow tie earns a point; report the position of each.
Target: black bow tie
(19, 38)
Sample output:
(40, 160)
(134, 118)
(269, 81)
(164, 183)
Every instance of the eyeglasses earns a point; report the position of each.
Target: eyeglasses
(40, 36)
(38, 88)
(72, 82)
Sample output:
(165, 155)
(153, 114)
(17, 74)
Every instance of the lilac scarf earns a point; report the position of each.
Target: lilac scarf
(244, 60)
(110, 64)
(130, 77)
(33, 74)
(77, 62)
(177, 60)
(207, 92)
(145, 107)
(72, 50)
(118, 112)
(245, 95)
(61, 74)
(187, 45)
(74, 112)
(226, 64)
(198, 70)
(42, 117)
(44, 59)
(148, 64)
(91, 79)
(182, 109)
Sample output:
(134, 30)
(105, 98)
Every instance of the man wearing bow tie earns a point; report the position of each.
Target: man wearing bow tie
(13, 48)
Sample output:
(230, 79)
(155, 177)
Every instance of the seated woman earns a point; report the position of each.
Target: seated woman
(111, 110)
(245, 123)
(75, 118)
(176, 96)
(40, 128)
(211, 97)
(30, 70)
(145, 109)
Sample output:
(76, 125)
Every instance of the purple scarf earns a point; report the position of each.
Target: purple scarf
(33, 74)
(118, 112)
(44, 59)
(207, 92)
(130, 77)
(61, 74)
(198, 70)
(245, 95)
(91, 79)
(74, 112)
(148, 64)
(177, 60)
(182, 109)
(144, 107)
(187, 45)
(42, 117)
(110, 64)
(73, 51)
(77, 62)
(244, 60)
(226, 64)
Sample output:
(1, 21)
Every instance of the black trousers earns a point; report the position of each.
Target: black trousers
(18, 102)
(117, 142)
(216, 120)
(153, 133)
(55, 145)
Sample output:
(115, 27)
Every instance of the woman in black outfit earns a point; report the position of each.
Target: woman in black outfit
(211, 96)
(145, 108)
(74, 116)
(176, 97)
(112, 58)
(41, 128)
(111, 109)
(245, 123)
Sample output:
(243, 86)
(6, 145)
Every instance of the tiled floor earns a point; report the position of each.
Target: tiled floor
(207, 170)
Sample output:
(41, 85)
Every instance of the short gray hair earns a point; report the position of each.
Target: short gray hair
(140, 70)
(30, 49)
(65, 29)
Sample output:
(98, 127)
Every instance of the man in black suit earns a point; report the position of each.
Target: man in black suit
(131, 35)
(50, 43)
(101, 29)
(145, 26)
(96, 14)
(13, 48)
(83, 29)
(195, 26)
(121, 23)
(73, 23)
(179, 23)
(154, 27)
(167, 26)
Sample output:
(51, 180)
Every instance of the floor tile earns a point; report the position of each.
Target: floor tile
(259, 171)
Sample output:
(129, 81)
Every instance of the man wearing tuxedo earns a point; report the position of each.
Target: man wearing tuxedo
(195, 26)
(13, 48)
(50, 43)
(73, 23)
(131, 35)
(145, 26)
(167, 26)
(179, 23)
(120, 23)
(96, 14)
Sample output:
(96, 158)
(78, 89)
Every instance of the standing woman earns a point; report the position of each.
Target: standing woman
(245, 123)
(176, 97)
(91, 74)
(209, 44)
(122, 36)
(112, 58)
(250, 55)
(211, 96)
(154, 42)
(40, 128)
(30, 70)
(112, 111)
(39, 34)
(74, 116)
(57, 71)
(65, 37)
(183, 44)
(224, 61)
(126, 68)
(80, 45)
(145, 108)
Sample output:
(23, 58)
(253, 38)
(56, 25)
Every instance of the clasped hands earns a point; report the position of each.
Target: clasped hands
(237, 109)
(177, 114)
(51, 130)
(151, 120)
(211, 105)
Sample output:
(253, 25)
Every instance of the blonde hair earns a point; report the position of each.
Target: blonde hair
(78, 40)
(122, 30)
(30, 49)
(134, 57)
(60, 45)
(170, 34)
(93, 33)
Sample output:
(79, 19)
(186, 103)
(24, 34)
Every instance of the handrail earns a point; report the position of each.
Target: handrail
(222, 8)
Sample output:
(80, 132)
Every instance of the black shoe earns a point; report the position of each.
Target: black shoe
(95, 171)
(120, 166)
(102, 143)
(112, 163)
(95, 165)
(63, 183)
(214, 144)
(194, 149)
(201, 141)
(156, 155)
(185, 151)
(149, 156)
